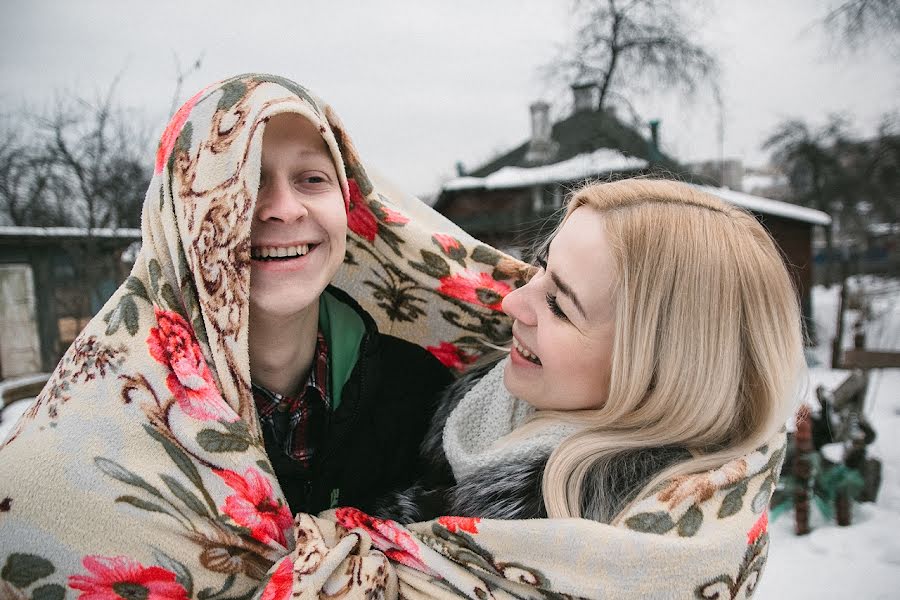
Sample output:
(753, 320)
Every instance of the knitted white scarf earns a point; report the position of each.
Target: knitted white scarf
(476, 434)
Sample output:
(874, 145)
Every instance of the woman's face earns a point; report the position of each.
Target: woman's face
(564, 321)
(299, 230)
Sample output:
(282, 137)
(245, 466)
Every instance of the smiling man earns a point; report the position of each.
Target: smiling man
(329, 389)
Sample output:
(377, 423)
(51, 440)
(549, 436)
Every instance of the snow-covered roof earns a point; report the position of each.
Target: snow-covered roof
(884, 228)
(768, 206)
(607, 160)
(762, 181)
(8, 230)
(582, 166)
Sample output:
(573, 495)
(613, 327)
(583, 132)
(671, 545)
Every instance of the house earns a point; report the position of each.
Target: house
(506, 202)
(511, 201)
(52, 281)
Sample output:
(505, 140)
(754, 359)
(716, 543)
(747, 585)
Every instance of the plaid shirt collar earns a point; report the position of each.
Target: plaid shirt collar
(298, 422)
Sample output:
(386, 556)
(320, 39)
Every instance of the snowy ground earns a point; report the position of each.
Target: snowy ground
(831, 563)
(863, 560)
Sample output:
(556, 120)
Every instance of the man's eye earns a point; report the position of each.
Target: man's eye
(314, 179)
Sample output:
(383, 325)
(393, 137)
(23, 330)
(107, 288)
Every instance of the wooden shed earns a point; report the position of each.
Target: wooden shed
(52, 281)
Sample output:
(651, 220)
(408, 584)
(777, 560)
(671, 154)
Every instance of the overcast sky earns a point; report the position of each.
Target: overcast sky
(422, 84)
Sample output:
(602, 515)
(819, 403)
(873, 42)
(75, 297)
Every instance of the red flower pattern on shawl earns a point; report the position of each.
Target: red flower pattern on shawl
(451, 356)
(173, 129)
(172, 343)
(254, 506)
(392, 216)
(281, 584)
(388, 536)
(360, 219)
(114, 578)
(759, 528)
(450, 246)
(454, 524)
(477, 288)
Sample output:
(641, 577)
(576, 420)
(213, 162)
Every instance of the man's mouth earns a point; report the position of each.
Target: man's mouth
(525, 352)
(276, 253)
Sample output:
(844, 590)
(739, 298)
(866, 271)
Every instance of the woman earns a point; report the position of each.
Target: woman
(227, 384)
(655, 352)
(660, 337)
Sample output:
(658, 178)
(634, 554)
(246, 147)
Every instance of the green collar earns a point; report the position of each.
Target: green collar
(343, 329)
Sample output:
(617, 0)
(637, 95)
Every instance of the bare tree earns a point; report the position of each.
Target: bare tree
(622, 44)
(805, 155)
(857, 22)
(180, 76)
(25, 184)
(872, 169)
(98, 157)
(856, 181)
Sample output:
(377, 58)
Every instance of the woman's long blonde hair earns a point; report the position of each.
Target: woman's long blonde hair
(707, 345)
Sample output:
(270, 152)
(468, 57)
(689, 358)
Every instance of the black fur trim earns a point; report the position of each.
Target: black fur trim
(513, 490)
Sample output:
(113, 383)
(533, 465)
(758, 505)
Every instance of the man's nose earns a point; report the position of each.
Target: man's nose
(279, 201)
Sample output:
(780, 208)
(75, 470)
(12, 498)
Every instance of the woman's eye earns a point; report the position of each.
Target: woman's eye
(553, 305)
(541, 262)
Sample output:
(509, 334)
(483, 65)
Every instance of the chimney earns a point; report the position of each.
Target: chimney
(654, 153)
(586, 95)
(541, 148)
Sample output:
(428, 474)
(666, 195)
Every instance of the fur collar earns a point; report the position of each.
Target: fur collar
(510, 489)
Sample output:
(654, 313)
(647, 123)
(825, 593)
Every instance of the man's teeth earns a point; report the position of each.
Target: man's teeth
(281, 252)
(525, 352)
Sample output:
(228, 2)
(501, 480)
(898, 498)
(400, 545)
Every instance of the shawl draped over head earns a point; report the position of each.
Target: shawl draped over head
(140, 471)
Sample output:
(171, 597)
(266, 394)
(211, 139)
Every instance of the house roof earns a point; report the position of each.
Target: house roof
(582, 132)
(576, 168)
(768, 206)
(585, 166)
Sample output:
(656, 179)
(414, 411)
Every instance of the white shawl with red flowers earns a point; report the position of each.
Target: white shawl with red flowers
(140, 472)
(141, 462)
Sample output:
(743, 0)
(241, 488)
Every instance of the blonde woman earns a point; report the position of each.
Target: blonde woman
(659, 337)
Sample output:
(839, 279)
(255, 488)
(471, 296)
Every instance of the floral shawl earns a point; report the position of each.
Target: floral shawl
(140, 471)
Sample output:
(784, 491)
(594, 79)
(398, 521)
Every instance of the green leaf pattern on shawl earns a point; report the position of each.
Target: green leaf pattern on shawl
(50, 591)
(22, 570)
(656, 522)
(734, 501)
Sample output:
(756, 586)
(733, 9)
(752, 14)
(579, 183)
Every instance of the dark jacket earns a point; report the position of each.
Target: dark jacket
(374, 435)
(510, 490)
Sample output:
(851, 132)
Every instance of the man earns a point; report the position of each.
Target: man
(139, 470)
(343, 408)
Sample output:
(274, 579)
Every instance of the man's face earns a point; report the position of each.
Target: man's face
(299, 231)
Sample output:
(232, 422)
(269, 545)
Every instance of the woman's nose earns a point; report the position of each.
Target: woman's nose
(518, 304)
(278, 201)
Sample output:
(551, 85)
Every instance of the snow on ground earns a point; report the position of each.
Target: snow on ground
(11, 414)
(862, 560)
(831, 563)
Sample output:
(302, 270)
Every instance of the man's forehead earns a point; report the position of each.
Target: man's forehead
(302, 133)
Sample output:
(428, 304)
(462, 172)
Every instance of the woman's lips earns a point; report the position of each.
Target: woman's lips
(520, 350)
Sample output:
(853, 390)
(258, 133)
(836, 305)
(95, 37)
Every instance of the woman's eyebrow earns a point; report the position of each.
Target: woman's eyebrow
(566, 290)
